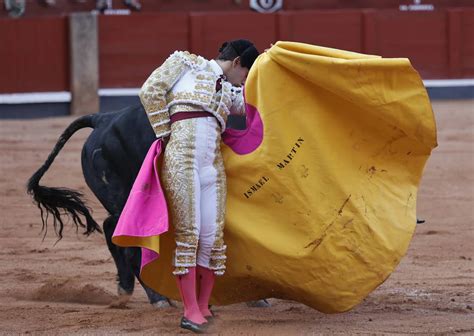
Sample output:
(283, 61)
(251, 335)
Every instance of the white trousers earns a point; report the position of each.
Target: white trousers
(195, 184)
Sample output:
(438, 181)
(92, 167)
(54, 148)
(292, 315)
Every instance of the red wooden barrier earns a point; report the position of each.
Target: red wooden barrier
(335, 29)
(34, 55)
(466, 44)
(422, 37)
(461, 45)
(131, 47)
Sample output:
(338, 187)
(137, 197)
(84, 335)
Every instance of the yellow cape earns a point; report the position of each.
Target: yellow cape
(345, 140)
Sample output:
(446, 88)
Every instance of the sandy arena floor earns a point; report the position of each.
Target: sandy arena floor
(68, 288)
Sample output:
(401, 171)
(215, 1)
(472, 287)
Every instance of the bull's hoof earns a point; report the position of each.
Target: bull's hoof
(121, 291)
(166, 303)
(259, 304)
(121, 301)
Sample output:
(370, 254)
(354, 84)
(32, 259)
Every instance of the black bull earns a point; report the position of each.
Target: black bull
(111, 159)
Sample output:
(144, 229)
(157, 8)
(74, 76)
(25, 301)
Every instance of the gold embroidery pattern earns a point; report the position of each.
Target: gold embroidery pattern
(218, 109)
(192, 60)
(162, 130)
(158, 118)
(227, 100)
(204, 86)
(184, 108)
(178, 183)
(198, 97)
(203, 77)
(154, 89)
(215, 102)
(218, 257)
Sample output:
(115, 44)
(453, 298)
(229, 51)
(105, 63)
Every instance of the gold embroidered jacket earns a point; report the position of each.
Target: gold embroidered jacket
(187, 82)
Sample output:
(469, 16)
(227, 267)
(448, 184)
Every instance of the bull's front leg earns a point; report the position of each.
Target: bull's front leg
(125, 276)
(156, 299)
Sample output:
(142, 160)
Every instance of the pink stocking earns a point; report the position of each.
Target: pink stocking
(206, 278)
(187, 288)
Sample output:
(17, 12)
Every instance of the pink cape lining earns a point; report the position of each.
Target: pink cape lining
(145, 214)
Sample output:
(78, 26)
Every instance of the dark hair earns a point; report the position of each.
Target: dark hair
(239, 48)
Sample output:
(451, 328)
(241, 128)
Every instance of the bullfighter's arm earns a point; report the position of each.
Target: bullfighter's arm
(154, 90)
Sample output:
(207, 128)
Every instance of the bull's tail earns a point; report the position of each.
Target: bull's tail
(62, 201)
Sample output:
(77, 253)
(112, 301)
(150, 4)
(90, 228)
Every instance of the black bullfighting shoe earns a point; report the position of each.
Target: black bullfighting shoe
(194, 327)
